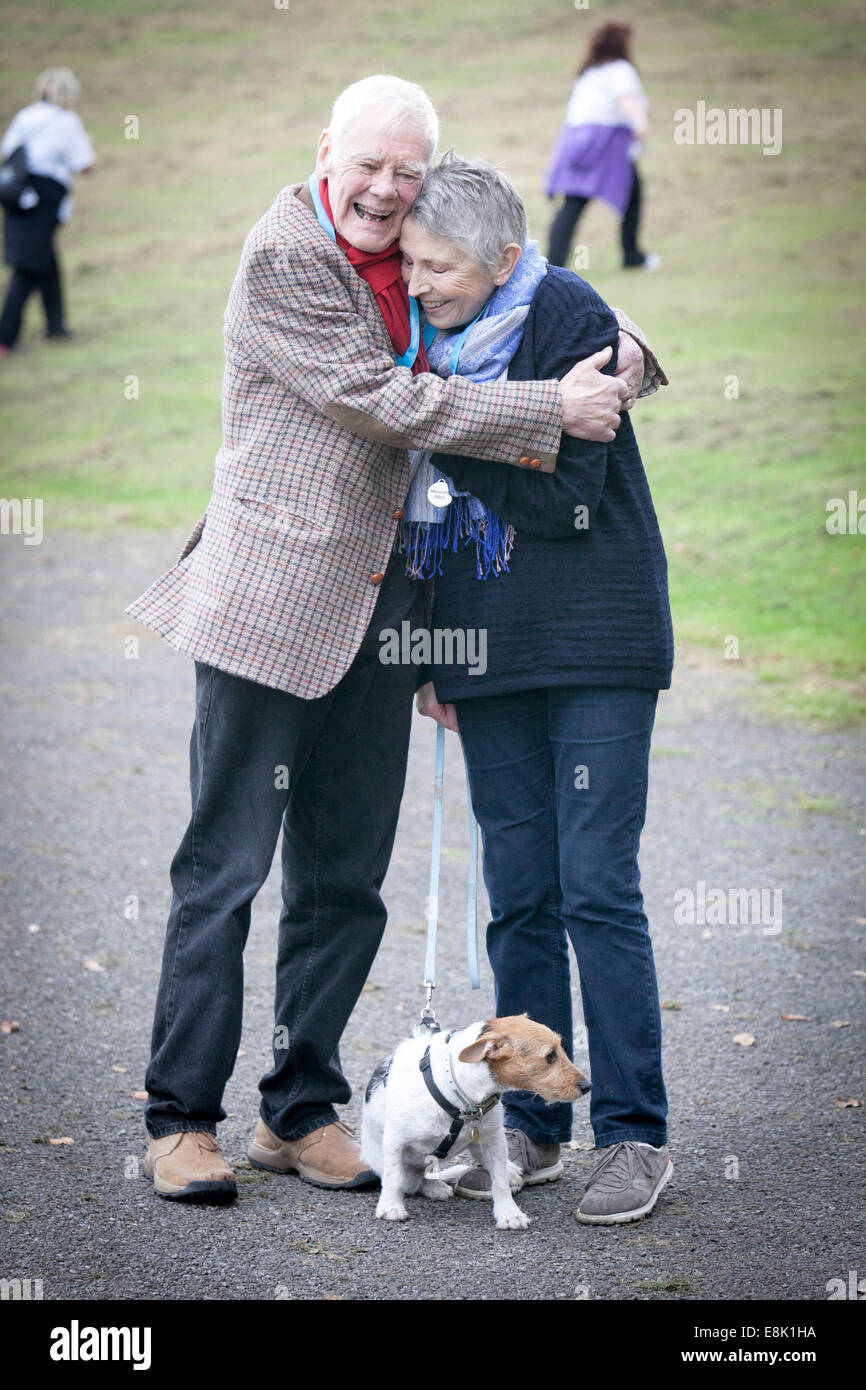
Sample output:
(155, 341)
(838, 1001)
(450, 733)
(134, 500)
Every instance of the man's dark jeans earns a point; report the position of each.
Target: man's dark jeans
(559, 786)
(331, 772)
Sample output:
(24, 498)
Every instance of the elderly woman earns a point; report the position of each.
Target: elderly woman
(56, 147)
(567, 575)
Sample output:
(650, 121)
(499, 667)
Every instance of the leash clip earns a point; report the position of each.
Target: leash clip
(428, 1017)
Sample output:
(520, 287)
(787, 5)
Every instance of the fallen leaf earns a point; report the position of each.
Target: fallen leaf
(333, 1298)
(721, 1008)
(34, 927)
(675, 1008)
(797, 1018)
(744, 1039)
(55, 1143)
(139, 1095)
(118, 1068)
(861, 921)
(861, 974)
(841, 1023)
(92, 964)
(401, 1008)
(706, 934)
(848, 1104)
(798, 975)
(242, 1052)
(9, 1025)
(581, 1144)
(15, 1215)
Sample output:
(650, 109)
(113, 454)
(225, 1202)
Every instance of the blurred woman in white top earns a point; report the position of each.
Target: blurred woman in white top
(57, 148)
(594, 155)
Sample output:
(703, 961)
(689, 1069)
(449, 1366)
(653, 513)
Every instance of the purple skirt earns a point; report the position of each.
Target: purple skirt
(591, 161)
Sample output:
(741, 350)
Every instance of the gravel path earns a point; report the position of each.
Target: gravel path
(767, 1199)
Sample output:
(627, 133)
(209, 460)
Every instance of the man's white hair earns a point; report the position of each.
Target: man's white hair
(394, 99)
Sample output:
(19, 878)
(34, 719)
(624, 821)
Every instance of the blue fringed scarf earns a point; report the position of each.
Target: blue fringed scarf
(489, 346)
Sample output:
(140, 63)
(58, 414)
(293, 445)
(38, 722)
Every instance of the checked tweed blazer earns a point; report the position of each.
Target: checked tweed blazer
(278, 580)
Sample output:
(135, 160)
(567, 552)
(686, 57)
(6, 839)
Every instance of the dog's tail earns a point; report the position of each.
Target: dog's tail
(452, 1174)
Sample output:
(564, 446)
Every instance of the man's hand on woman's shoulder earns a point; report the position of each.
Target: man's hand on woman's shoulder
(591, 401)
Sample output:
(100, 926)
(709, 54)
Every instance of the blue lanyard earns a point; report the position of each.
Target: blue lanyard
(406, 358)
(324, 219)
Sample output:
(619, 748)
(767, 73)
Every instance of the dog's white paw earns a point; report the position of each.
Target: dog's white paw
(514, 1220)
(437, 1191)
(391, 1211)
(515, 1176)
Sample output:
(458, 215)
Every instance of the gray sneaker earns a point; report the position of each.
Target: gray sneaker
(535, 1162)
(625, 1183)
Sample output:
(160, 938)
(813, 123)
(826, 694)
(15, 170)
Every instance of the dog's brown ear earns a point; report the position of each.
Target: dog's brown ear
(492, 1047)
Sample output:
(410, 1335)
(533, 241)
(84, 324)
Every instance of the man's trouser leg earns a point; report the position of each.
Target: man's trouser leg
(242, 731)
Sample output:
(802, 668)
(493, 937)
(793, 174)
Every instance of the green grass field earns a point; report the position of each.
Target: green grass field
(760, 278)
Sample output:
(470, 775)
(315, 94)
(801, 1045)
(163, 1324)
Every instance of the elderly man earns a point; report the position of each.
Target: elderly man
(279, 596)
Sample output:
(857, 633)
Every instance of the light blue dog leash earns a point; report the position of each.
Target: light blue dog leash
(428, 1016)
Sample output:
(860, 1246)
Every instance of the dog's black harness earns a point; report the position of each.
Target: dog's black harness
(458, 1117)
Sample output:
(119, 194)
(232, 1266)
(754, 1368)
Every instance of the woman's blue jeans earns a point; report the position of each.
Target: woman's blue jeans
(559, 785)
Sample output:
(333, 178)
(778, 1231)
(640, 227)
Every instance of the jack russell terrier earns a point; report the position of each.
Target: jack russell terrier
(437, 1096)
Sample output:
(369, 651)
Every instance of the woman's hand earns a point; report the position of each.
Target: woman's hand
(426, 703)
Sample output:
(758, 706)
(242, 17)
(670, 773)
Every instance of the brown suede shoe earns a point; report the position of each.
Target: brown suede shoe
(189, 1167)
(328, 1157)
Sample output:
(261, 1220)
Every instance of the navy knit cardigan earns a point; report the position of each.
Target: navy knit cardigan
(585, 601)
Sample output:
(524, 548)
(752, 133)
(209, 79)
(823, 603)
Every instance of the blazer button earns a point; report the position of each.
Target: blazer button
(376, 578)
(524, 461)
(399, 514)
(535, 463)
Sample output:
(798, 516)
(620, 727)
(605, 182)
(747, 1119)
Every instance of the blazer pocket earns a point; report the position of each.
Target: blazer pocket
(265, 516)
(193, 539)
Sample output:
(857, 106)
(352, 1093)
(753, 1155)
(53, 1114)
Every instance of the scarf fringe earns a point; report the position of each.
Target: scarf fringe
(424, 543)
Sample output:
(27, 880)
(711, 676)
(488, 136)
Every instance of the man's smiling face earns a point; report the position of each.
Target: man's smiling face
(374, 175)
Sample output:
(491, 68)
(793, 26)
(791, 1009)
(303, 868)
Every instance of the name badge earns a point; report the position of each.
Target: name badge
(438, 494)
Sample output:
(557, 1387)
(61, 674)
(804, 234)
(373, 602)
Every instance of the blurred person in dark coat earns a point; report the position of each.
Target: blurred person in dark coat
(57, 148)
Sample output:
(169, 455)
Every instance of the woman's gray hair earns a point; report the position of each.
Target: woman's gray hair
(472, 206)
(393, 98)
(58, 85)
